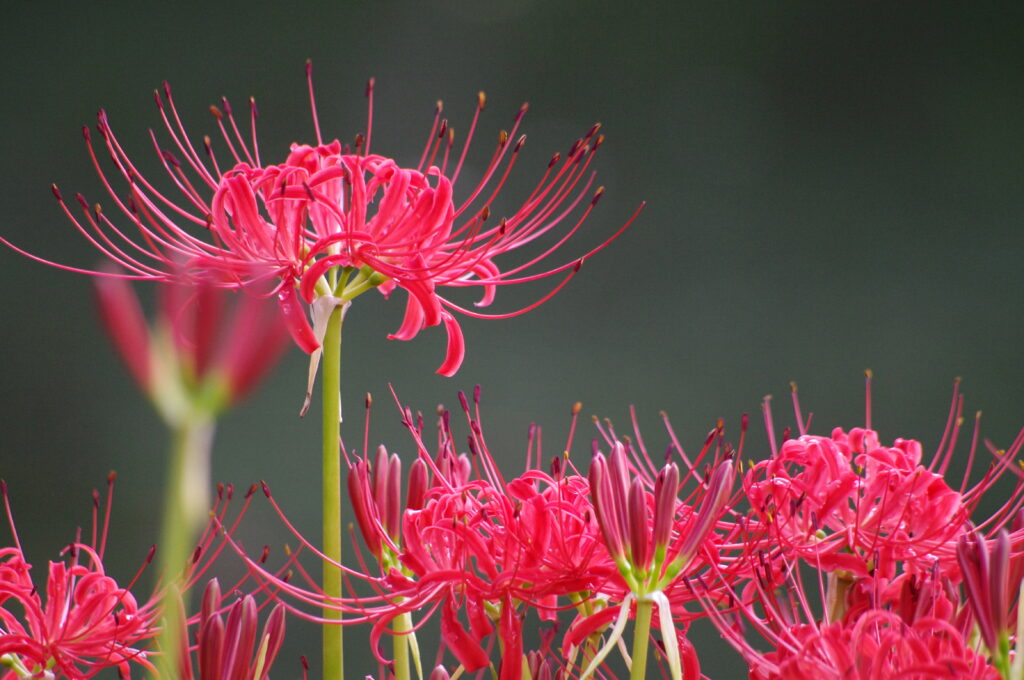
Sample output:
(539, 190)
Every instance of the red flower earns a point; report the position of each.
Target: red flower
(332, 222)
(206, 350)
(877, 646)
(82, 623)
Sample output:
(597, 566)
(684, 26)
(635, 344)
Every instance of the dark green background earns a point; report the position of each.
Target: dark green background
(831, 187)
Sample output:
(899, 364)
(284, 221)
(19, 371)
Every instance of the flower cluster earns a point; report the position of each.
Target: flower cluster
(906, 577)
(850, 558)
(484, 552)
(84, 621)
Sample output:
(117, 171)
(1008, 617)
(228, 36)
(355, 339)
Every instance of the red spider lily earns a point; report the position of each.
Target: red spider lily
(910, 627)
(878, 646)
(86, 622)
(207, 349)
(332, 222)
(481, 551)
(847, 502)
(889, 540)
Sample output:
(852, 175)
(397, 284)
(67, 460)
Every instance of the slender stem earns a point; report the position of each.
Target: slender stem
(641, 639)
(400, 645)
(333, 650)
(186, 506)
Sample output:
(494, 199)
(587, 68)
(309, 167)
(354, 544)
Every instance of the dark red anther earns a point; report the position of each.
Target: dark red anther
(485, 212)
(56, 193)
(597, 196)
(522, 111)
(156, 98)
(170, 158)
(196, 554)
(579, 263)
(593, 130)
(476, 394)
(81, 201)
(265, 554)
(463, 402)
(95, 498)
(443, 129)
(150, 554)
(220, 490)
(575, 147)
(252, 108)
(369, 86)
(554, 160)
(309, 67)
(227, 106)
(86, 133)
(266, 488)
(519, 144)
(167, 89)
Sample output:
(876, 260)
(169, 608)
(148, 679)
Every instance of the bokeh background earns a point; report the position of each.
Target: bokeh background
(830, 188)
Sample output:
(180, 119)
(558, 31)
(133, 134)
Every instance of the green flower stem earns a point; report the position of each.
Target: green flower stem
(333, 649)
(641, 639)
(402, 627)
(186, 508)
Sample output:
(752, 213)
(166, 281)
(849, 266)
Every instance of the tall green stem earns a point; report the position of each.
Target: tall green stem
(333, 649)
(402, 626)
(186, 507)
(641, 639)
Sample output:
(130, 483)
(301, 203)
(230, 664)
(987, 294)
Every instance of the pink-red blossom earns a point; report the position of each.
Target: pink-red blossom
(332, 221)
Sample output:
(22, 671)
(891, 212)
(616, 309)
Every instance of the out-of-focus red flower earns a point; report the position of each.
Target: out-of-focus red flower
(207, 348)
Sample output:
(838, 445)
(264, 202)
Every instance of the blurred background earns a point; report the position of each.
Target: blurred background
(829, 189)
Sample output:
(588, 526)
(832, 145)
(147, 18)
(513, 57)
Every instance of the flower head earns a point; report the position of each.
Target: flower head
(206, 350)
(332, 221)
(83, 621)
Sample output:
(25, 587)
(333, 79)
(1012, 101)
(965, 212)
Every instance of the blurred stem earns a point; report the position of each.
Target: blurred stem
(641, 639)
(186, 508)
(333, 649)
